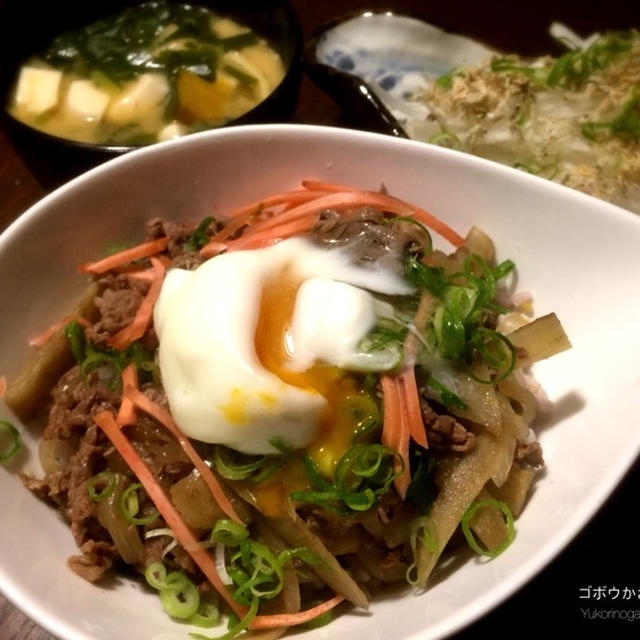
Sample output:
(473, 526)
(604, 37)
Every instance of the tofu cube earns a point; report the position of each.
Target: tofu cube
(85, 101)
(226, 28)
(37, 89)
(171, 131)
(143, 98)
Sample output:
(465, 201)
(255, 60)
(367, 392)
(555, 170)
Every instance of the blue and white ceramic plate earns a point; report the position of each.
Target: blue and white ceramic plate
(391, 55)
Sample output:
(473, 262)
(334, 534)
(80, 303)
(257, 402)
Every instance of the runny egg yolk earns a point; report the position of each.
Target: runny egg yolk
(335, 426)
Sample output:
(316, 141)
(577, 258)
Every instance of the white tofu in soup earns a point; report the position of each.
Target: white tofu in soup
(38, 89)
(85, 101)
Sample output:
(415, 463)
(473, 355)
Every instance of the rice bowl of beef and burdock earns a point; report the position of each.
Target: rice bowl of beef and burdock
(244, 401)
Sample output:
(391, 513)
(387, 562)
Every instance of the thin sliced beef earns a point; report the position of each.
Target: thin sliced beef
(444, 432)
(181, 254)
(94, 561)
(368, 235)
(530, 453)
(75, 400)
(118, 304)
(85, 463)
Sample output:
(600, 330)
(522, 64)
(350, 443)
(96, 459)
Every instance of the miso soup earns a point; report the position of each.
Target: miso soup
(152, 72)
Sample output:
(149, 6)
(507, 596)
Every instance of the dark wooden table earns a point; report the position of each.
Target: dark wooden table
(606, 552)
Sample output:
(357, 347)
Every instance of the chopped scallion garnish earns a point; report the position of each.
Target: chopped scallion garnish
(495, 350)
(365, 472)
(422, 530)
(8, 431)
(200, 237)
(101, 486)
(129, 506)
(447, 397)
(179, 596)
(465, 524)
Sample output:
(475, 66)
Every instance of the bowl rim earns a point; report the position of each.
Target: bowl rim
(33, 609)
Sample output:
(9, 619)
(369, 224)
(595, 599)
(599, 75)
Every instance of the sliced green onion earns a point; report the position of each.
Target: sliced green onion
(302, 553)
(625, 125)
(74, 333)
(229, 533)
(538, 75)
(495, 350)
(207, 616)
(503, 269)
(182, 602)
(266, 571)
(445, 81)
(445, 139)
(422, 530)
(237, 628)
(12, 447)
(129, 506)
(508, 519)
(364, 412)
(199, 237)
(179, 596)
(156, 575)
(432, 279)
(106, 480)
(364, 472)
(235, 466)
(361, 501)
(447, 397)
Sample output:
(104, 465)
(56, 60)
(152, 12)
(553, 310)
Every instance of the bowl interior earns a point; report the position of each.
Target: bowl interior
(552, 233)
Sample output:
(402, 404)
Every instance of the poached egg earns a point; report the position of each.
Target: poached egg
(254, 344)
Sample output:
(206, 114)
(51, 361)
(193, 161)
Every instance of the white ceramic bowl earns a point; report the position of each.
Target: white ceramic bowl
(579, 257)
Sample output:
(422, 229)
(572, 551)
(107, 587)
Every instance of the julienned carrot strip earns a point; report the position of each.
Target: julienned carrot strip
(437, 225)
(144, 250)
(287, 198)
(185, 536)
(395, 429)
(127, 413)
(164, 418)
(342, 200)
(254, 243)
(422, 216)
(123, 338)
(291, 619)
(141, 275)
(254, 240)
(403, 481)
(3, 386)
(212, 249)
(411, 400)
(329, 187)
(233, 225)
(242, 216)
(46, 335)
(351, 199)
